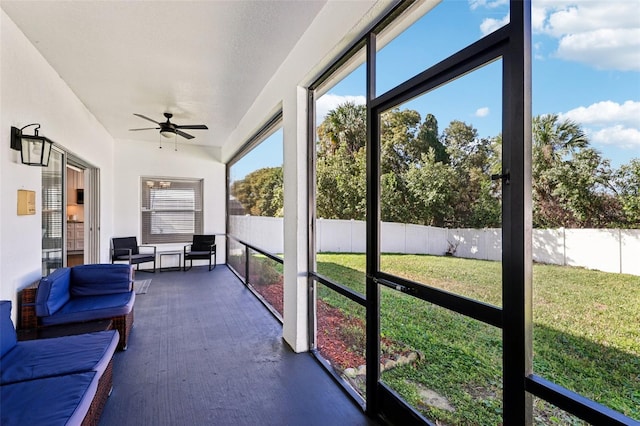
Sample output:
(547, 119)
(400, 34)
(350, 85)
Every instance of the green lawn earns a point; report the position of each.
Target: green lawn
(586, 335)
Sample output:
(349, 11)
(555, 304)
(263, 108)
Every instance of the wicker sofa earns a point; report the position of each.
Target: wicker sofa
(58, 381)
(79, 294)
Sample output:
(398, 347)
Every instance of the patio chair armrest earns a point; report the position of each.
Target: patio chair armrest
(120, 252)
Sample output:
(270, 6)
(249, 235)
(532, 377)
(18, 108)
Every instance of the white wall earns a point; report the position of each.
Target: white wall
(135, 159)
(32, 91)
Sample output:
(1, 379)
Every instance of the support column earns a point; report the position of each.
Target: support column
(295, 327)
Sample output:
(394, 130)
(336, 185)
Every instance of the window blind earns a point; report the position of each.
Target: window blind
(171, 210)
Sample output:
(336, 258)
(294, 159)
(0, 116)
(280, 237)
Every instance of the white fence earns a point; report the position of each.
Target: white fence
(609, 250)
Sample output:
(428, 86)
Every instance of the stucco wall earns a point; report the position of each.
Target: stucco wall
(32, 91)
(134, 159)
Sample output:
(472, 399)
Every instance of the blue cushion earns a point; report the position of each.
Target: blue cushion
(92, 280)
(61, 400)
(53, 292)
(8, 337)
(90, 308)
(37, 359)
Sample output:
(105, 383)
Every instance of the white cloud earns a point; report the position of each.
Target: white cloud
(330, 101)
(620, 136)
(490, 4)
(604, 49)
(570, 17)
(482, 112)
(602, 34)
(489, 25)
(609, 123)
(606, 113)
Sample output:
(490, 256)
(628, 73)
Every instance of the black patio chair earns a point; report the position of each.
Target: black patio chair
(126, 249)
(203, 247)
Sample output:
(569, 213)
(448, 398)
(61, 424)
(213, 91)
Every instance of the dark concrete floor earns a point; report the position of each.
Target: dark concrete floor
(205, 351)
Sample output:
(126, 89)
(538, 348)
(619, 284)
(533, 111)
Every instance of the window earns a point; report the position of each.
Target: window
(256, 208)
(171, 209)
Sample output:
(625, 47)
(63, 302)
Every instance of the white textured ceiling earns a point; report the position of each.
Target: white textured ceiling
(203, 61)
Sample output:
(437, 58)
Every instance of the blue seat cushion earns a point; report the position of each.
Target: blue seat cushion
(53, 292)
(36, 359)
(8, 336)
(92, 280)
(61, 400)
(90, 308)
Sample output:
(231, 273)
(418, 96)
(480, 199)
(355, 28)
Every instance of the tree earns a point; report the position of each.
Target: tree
(261, 192)
(346, 126)
(399, 142)
(400, 147)
(572, 183)
(341, 184)
(430, 184)
(473, 159)
(445, 180)
(553, 142)
(341, 163)
(627, 186)
(428, 134)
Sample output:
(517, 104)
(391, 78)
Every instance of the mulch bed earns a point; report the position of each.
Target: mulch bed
(332, 343)
(272, 293)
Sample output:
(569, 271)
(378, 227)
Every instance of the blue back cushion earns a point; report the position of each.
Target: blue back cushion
(8, 337)
(97, 279)
(53, 292)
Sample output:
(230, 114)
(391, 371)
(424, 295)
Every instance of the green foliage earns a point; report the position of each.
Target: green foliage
(430, 183)
(341, 183)
(261, 192)
(344, 126)
(572, 183)
(444, 179)
(425, 178)
(627, 184)
(264, 271)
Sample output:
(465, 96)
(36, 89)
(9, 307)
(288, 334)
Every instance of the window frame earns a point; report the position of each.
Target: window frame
(147, 212)
(512, 43)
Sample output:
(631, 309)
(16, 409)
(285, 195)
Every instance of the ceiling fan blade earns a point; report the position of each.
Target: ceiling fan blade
(146, 128)
(192, 126)
(184, 135)
(146, 118)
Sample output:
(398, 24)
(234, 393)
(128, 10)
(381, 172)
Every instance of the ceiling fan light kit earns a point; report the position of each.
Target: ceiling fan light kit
(166, 133)
(169, 129)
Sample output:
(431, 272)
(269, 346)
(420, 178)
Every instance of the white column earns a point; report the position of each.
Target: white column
(295, 220)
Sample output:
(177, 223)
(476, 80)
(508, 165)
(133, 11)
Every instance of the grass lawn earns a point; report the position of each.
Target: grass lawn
(586, 336)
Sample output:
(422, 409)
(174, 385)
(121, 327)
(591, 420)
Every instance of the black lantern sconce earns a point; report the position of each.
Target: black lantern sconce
(34, 150)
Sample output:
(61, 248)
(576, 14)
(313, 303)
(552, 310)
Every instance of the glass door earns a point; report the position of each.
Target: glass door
(53, 213)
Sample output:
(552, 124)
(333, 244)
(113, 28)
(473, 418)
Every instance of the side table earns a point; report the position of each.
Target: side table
(178, 253)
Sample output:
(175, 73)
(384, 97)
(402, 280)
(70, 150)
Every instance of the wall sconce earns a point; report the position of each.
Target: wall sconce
(34, 150)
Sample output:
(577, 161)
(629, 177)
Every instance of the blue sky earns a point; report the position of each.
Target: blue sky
(586, 67)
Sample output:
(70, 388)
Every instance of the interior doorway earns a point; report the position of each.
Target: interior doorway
(70, 212)
(75, 214)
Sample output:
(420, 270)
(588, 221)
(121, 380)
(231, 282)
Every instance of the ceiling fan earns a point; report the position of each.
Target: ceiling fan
(168, 129)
